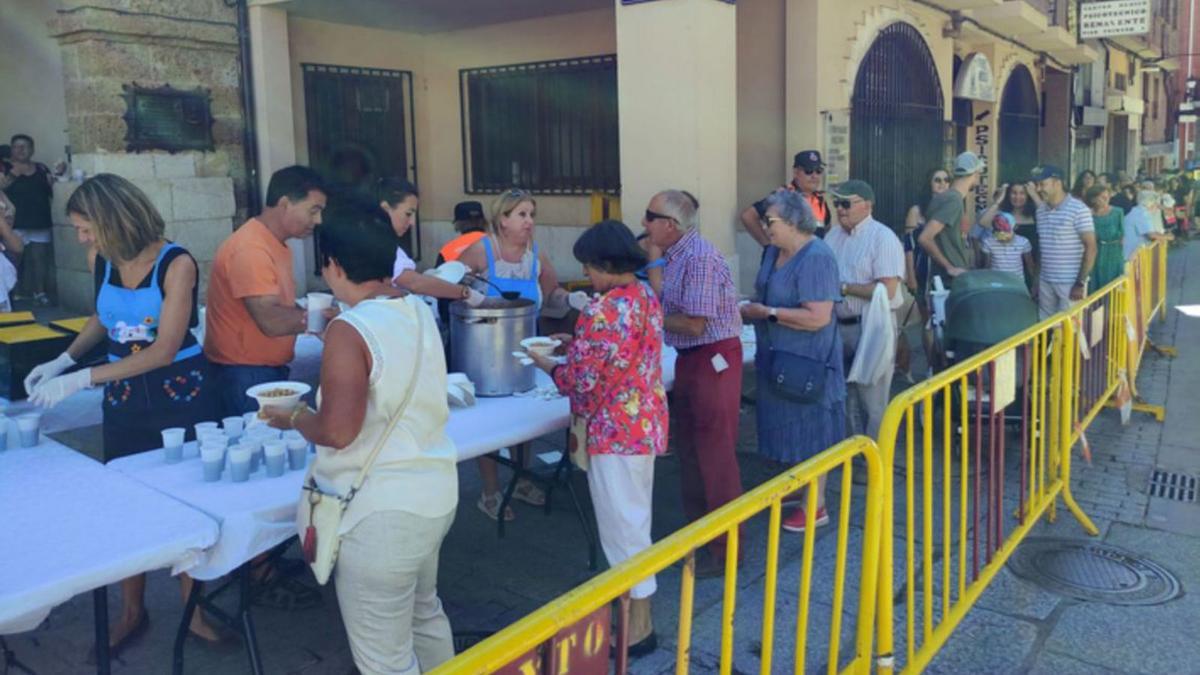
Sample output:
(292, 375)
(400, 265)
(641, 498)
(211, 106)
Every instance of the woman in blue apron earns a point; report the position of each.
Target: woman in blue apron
(156, 375)
(512, 262)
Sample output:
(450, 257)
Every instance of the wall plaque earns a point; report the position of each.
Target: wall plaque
(164, 118)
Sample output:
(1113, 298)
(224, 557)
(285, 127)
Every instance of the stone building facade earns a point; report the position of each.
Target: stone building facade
(186, 44)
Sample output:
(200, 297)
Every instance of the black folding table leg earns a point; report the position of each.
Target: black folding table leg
(247, 597)
(189, 608)
(100, 609)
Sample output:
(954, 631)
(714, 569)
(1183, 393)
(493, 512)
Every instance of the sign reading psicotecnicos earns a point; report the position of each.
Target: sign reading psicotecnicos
(1114, 17)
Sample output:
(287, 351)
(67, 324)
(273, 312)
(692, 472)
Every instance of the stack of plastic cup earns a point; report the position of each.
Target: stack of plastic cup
(297, 451)
(172, 439)
(239, 463)
(212, 461)
(274, 457)
(28, 425)
(233, 427)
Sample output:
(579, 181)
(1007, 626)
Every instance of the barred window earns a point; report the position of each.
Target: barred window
(549, 126)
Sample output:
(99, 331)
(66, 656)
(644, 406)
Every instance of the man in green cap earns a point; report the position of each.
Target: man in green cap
(869, 254)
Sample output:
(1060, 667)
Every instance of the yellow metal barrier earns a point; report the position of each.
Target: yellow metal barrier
(950, 434)
(523, 646)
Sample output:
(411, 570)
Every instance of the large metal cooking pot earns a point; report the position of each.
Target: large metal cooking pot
(482, 340)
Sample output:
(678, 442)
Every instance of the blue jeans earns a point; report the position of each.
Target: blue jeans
(235, 380)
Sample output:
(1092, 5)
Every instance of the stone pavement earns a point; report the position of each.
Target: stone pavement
(488, 582)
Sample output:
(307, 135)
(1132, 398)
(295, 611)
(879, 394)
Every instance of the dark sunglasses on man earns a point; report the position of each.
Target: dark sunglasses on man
(652, 216)
(843, 204)
(818, 171)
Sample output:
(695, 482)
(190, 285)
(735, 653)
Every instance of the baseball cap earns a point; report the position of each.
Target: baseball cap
(808, 160)
(967, 164)
(1045, 171)
(1004, 222)
(468, 210)
(855, 188)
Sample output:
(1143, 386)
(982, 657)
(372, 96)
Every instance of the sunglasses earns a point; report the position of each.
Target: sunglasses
(652, 216)
(844, 204)
(771, 220)
(940, 179)
(809, 172)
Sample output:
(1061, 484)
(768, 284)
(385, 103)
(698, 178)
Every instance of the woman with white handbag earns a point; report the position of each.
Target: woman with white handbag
(382, 492)
(613, 376)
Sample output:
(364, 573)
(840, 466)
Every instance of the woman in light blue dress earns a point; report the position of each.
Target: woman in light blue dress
(796, 288)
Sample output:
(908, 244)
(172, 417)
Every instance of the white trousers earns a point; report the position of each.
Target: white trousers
(621, 488)
(1053, 298)
(386, 577)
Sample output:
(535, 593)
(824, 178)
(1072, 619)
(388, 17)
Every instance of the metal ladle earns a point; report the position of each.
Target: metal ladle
(507, 295)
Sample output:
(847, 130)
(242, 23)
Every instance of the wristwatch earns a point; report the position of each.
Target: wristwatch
(844, 285)
(772, 315)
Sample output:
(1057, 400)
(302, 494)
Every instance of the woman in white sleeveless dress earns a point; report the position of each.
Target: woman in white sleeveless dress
(386, 570)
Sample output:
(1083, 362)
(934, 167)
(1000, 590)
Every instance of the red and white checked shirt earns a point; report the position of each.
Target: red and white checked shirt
(697, 282)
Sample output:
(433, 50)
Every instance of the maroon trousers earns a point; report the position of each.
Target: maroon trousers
(706, 405)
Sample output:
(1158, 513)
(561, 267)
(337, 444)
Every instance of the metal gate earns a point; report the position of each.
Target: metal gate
(896, 121)
(1019, 125)
(360, 129)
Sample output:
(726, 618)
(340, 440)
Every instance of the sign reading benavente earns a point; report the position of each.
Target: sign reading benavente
(1115, 17)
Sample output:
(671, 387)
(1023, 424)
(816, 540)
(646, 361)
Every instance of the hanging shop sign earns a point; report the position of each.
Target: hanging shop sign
(975, 80)
(1113, 18)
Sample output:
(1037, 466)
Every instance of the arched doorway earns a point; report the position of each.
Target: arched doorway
(1019, 124)
(896, 121)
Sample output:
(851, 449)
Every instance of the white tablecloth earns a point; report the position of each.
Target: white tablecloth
(70, 525)
(260, 514)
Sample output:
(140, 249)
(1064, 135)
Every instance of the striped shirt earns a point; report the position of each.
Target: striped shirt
(867, 253)
(1006, 256)
(1059, 242)
(697, 282)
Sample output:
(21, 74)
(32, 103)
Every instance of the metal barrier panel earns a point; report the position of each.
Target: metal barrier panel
(1099, 360)
(962, 504)
(547, 637)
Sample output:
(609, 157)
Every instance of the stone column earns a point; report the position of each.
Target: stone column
(275, 125)
(186, 44)
(677, 92)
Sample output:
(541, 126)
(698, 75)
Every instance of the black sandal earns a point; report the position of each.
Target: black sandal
(286, 593)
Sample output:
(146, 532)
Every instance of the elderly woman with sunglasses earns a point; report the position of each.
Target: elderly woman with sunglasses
(797, 288)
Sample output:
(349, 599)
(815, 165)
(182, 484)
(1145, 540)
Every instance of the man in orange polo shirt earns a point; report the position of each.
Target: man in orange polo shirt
(252, 318)
(808, 173)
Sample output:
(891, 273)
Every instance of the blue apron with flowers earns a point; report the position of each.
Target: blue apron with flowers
(179, 394)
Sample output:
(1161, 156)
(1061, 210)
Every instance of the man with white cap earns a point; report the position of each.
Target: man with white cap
(944, 238)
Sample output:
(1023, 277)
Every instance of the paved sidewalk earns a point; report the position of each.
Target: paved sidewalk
(1019, 628)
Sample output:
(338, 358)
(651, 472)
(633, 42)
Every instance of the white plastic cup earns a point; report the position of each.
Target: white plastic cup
(317, 304)
(212, 461)
(274, 457)
(28, 425)
(248, 419)
(297, 452)
(213, 437)
(172, 439)
(205, 426)
(239, 464)
(233, 426)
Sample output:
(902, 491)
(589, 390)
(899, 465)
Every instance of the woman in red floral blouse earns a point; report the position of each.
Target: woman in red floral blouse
(613, 376)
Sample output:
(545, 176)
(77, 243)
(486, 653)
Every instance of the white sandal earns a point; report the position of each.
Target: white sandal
(490, 505)
(529, 493)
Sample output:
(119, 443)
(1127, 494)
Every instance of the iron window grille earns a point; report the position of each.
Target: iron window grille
(548, 126)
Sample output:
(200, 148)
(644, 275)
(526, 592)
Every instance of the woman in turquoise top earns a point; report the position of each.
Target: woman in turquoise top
(510, 259)
(1110, 233)
(156, 375)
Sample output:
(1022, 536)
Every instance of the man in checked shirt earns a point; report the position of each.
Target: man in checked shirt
(702, 323)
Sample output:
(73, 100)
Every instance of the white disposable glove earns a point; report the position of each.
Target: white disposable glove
(578, 300)
(52, 392)
(474, 298)
(48, 370)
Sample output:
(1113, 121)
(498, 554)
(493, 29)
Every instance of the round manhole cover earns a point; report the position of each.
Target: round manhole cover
(1093, 572)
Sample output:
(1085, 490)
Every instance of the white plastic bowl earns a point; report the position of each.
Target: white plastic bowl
(299, 389)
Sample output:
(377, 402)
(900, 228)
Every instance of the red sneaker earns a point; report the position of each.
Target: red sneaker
(797, 520)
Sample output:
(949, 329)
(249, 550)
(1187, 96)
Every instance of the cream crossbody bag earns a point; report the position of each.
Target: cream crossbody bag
(319, 514)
